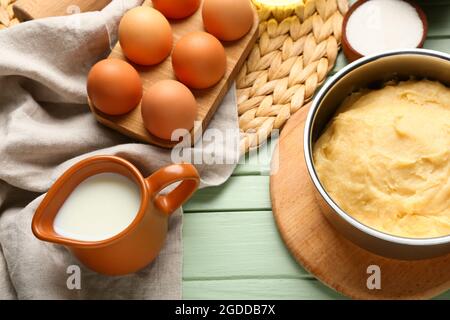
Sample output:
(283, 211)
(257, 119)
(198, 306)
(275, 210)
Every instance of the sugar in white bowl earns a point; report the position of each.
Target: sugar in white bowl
(381, 25)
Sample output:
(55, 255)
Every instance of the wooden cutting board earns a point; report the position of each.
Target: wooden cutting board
(318, 247)
(26, 10)
(208, 100)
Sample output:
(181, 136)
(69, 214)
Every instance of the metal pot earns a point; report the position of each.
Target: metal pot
(371, 72)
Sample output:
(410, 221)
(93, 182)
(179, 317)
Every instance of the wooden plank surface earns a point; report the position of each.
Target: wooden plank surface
(244, 289)
(439, 19)
(238, 255)
(240, 193)
(232, 249)
(221, 241)
(277, 289)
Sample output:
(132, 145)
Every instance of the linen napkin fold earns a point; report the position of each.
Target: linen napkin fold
(46, 126)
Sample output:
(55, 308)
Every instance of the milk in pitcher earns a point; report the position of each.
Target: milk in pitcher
(99, 208)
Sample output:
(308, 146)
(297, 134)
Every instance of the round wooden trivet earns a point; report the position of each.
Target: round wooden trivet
(322, 251)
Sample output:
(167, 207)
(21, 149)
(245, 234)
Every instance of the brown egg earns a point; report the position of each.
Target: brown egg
(176, 9)
(228, 20)
(168, 105)
(199, 60)
(114, 86)
(145, 36)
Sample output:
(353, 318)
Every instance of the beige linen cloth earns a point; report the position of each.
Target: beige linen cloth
(45, 127)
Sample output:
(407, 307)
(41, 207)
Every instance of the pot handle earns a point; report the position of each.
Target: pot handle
(168, 203)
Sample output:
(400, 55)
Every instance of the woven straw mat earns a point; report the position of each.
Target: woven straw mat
(295, 51)
(7, 18)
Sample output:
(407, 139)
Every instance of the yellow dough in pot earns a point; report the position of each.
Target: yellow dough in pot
(385, 158)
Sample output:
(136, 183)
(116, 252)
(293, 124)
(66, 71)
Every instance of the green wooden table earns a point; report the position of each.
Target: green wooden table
(232, 249)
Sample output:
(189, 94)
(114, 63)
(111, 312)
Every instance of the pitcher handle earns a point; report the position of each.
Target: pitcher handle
(190, 180)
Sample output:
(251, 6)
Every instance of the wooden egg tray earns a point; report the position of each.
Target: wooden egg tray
(208, 100)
